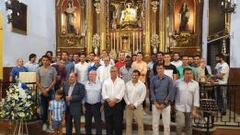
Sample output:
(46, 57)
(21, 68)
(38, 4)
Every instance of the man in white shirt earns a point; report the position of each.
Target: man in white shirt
(31, 65)
(221, 76)
(112, 93)
(82, 69)
(222, 69)
(186, 102)
(103, 72)
(134, 96)
(106, 54)
(176, 60)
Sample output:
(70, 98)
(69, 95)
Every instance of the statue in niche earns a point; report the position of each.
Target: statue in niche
(184, 16)
(70, 17)
(129, 14)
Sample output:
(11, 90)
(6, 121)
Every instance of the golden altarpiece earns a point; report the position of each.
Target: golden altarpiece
(129, 25)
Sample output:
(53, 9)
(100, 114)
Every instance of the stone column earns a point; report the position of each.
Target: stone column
(89, 18)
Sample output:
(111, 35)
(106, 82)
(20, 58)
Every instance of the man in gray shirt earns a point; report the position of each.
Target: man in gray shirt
(162, 94)
(46, 79)
(127, 70)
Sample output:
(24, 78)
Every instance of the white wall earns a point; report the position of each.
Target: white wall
(41, 32)
(235, 38)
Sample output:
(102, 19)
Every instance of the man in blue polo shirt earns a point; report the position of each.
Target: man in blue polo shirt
(14, 74)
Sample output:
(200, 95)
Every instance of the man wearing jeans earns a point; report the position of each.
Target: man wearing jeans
(162, 94)
(46, 79)
(222, 74)
(186, 102)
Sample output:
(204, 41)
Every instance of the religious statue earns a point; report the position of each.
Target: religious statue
(70, 17)
(129, 14)
(184, 16)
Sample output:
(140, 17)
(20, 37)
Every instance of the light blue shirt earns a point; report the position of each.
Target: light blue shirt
(57, 108)
(69, 67)
(32, 67)
(93, 92)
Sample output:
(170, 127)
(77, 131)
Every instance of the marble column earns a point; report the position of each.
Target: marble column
(89, 18)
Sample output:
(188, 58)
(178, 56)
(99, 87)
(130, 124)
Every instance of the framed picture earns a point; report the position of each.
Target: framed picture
(19, 18)
(184, 15)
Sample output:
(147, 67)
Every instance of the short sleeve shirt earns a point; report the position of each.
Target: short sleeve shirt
(46, 77)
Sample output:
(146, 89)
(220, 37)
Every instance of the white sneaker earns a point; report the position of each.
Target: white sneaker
(44, 127)
(50, 129)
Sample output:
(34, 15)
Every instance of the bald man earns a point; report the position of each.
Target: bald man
(74, 94)
(14, 74)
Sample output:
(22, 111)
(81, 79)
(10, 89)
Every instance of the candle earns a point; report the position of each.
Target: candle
(133, 49)
(140, 45)
(62, 19)
(114, 42)
(137, 41)
(111, 42)
(117, 41)
(120, 41)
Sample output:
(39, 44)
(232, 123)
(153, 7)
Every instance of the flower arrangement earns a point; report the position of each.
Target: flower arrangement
(154, 42)
(18, 104)
(96, 42)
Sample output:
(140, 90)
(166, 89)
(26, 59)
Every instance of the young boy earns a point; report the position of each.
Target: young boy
(57, 109)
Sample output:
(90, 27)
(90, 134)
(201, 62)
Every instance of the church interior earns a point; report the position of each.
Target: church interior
(203, 28)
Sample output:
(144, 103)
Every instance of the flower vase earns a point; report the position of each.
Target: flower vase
(21, 128)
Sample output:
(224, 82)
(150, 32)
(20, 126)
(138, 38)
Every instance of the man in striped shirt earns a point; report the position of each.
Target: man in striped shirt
(57, 109)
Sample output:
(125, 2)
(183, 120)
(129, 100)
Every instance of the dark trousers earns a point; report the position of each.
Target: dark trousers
(114, 118)
(93, 110)
(221, 97)
(69, 123)
(44, 103)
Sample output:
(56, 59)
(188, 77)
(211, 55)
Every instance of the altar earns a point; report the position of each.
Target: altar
(129, 25)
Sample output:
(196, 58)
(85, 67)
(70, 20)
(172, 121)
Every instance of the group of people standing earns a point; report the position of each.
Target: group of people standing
(91, 85)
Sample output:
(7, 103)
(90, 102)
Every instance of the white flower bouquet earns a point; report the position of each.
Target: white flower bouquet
(18, 105)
